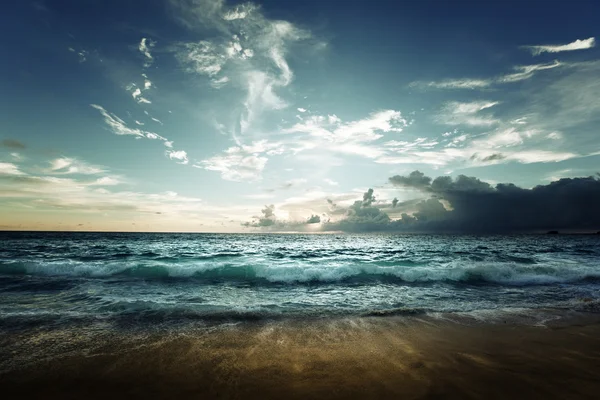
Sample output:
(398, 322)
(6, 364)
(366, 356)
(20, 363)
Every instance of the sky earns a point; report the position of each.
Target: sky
(223, 116)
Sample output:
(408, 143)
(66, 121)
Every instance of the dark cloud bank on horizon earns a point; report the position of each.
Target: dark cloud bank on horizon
(469, 205)
(477, 206)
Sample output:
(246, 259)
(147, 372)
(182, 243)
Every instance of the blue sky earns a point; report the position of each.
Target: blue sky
(192, 115)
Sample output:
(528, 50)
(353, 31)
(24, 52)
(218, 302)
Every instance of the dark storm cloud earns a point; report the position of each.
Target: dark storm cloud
(415, 179)
(476, 206)
(492, 157)
(314, 219)
(13, 144)
(269, 221)
(267, 218)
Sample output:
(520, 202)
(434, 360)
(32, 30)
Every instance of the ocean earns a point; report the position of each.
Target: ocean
(163, 280)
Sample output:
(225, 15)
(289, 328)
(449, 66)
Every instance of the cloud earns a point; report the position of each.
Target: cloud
(180, 155)
(330, 182)
(526, 72)
(10, 169)
(329, 132)
(117, 125)
(458, 113)
(456, 84)
(361, 216)
(248, 51)
(242, 163)
(239, 12)
(71, 195)
(13, 144)
(523, 72)
(66, 165)
(236, 165)
(314, 219)
(579, 44)
(144, 47)
(106, 181)
(477, 206)
(269, 221)
(415, 179)
(266, 220)
(259, 196)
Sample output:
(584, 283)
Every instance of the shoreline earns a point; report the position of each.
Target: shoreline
(363, 357)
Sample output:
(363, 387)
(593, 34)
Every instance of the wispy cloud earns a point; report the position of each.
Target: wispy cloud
(579, 44)
(464, 83)
(460, 113)
(248, 52)
(523, 72)
(67, 165)
(242, 163)
(117, 125)
(82, 54)
(239, 12)
(144, 47)
(526, 72)
(355, 137)
(13, 144)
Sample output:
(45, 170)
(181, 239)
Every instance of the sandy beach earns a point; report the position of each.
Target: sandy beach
(391, 357)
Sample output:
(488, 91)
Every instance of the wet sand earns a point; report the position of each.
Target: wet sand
(361, 358)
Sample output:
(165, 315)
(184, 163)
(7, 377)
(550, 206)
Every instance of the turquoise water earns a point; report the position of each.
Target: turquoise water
(137, 280)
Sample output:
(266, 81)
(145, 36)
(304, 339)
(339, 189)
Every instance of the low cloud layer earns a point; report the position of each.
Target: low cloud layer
(467, 204)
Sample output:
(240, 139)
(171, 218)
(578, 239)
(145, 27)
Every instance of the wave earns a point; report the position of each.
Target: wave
(504, 273)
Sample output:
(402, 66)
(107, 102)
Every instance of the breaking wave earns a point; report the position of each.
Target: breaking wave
(504, 273)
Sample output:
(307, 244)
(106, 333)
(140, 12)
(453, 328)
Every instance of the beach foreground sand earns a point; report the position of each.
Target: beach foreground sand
(375, 358)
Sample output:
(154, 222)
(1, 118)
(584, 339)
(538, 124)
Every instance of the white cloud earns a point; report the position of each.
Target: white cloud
(9, 169)
(330, 182)
(259, 196)
(239, 12)
(220, 82)
(458, 113)
(144, 48)
(236, 166)
(523, 72)
(67, 165)
(243, 162)
(249, 53)
(526, 72)
(202, 58)
(106, 181)
(457, 84)
(117, 125)
(354, 137)
(302, 110)
(579, 44)
(179, 155)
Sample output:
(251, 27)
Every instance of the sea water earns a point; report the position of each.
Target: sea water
(165, 280)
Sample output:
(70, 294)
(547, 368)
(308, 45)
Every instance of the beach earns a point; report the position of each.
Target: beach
(203, 316)
(370, 357)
